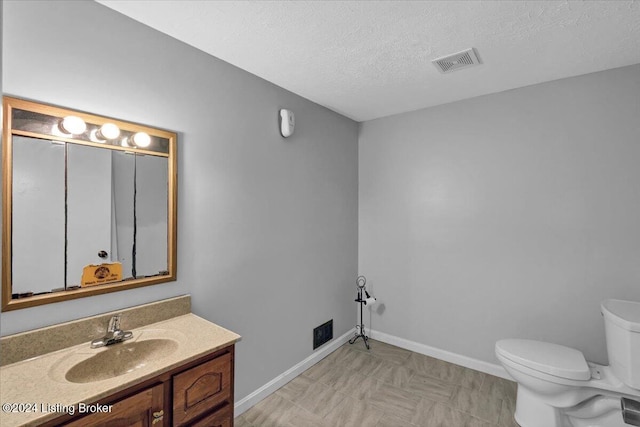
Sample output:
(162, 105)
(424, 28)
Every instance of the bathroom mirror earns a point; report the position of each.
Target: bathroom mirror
(89, 204)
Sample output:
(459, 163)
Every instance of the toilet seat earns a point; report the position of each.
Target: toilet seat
(552, 359)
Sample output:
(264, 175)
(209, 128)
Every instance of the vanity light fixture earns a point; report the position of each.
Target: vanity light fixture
(73, 125)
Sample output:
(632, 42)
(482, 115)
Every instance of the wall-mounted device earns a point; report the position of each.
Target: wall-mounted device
(287, 122)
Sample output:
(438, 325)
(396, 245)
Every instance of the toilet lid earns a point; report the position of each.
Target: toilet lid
(553, 359)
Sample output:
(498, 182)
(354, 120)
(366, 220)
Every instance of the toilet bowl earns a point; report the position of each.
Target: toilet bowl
(557, 387)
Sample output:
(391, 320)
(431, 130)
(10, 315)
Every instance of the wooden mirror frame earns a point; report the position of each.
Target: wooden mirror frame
(9, 104)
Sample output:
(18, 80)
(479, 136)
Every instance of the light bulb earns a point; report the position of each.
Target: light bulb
(73, 125)
(56, 130)
(141, 139)
(109, 131)
(95, 136)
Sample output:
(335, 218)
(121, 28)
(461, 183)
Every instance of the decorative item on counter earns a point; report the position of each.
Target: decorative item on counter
(103, 273)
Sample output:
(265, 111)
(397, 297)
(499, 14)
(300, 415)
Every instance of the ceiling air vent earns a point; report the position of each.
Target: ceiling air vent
(465, 59)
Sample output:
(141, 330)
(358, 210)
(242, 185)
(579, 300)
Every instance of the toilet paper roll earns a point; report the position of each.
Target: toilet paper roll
(370, 301)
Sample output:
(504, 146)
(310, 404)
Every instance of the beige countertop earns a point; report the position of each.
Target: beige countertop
(40, 382)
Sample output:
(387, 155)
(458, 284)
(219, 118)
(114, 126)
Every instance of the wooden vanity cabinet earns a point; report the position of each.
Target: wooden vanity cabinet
(198, 394)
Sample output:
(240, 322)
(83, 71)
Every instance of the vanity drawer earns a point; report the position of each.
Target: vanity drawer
(144, 408)
(220, 418)
(201, 388)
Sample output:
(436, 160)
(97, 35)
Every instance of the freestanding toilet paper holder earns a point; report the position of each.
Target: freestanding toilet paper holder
(361, 281)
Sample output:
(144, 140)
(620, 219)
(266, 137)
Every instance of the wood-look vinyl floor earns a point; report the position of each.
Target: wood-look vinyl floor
(386, 386)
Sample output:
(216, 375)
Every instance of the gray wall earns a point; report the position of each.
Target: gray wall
(267, 242)
(507, 215)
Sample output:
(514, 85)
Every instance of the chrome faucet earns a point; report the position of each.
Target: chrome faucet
(114, 334)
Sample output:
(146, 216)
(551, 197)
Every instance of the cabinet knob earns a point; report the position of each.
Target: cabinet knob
(157, 416)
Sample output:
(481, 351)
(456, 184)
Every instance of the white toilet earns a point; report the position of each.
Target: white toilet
(557, 387)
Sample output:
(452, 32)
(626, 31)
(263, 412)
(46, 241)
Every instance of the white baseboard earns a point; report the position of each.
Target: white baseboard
(252, 399)
(447, 356)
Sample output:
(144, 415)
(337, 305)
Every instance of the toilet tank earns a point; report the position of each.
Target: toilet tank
(622, 328)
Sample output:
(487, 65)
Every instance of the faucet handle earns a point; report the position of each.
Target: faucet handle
(114, 323)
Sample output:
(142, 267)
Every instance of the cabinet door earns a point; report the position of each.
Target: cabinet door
(201, 389)
(143, 409)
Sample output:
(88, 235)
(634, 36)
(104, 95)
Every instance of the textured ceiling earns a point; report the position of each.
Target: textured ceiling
(369, 59)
